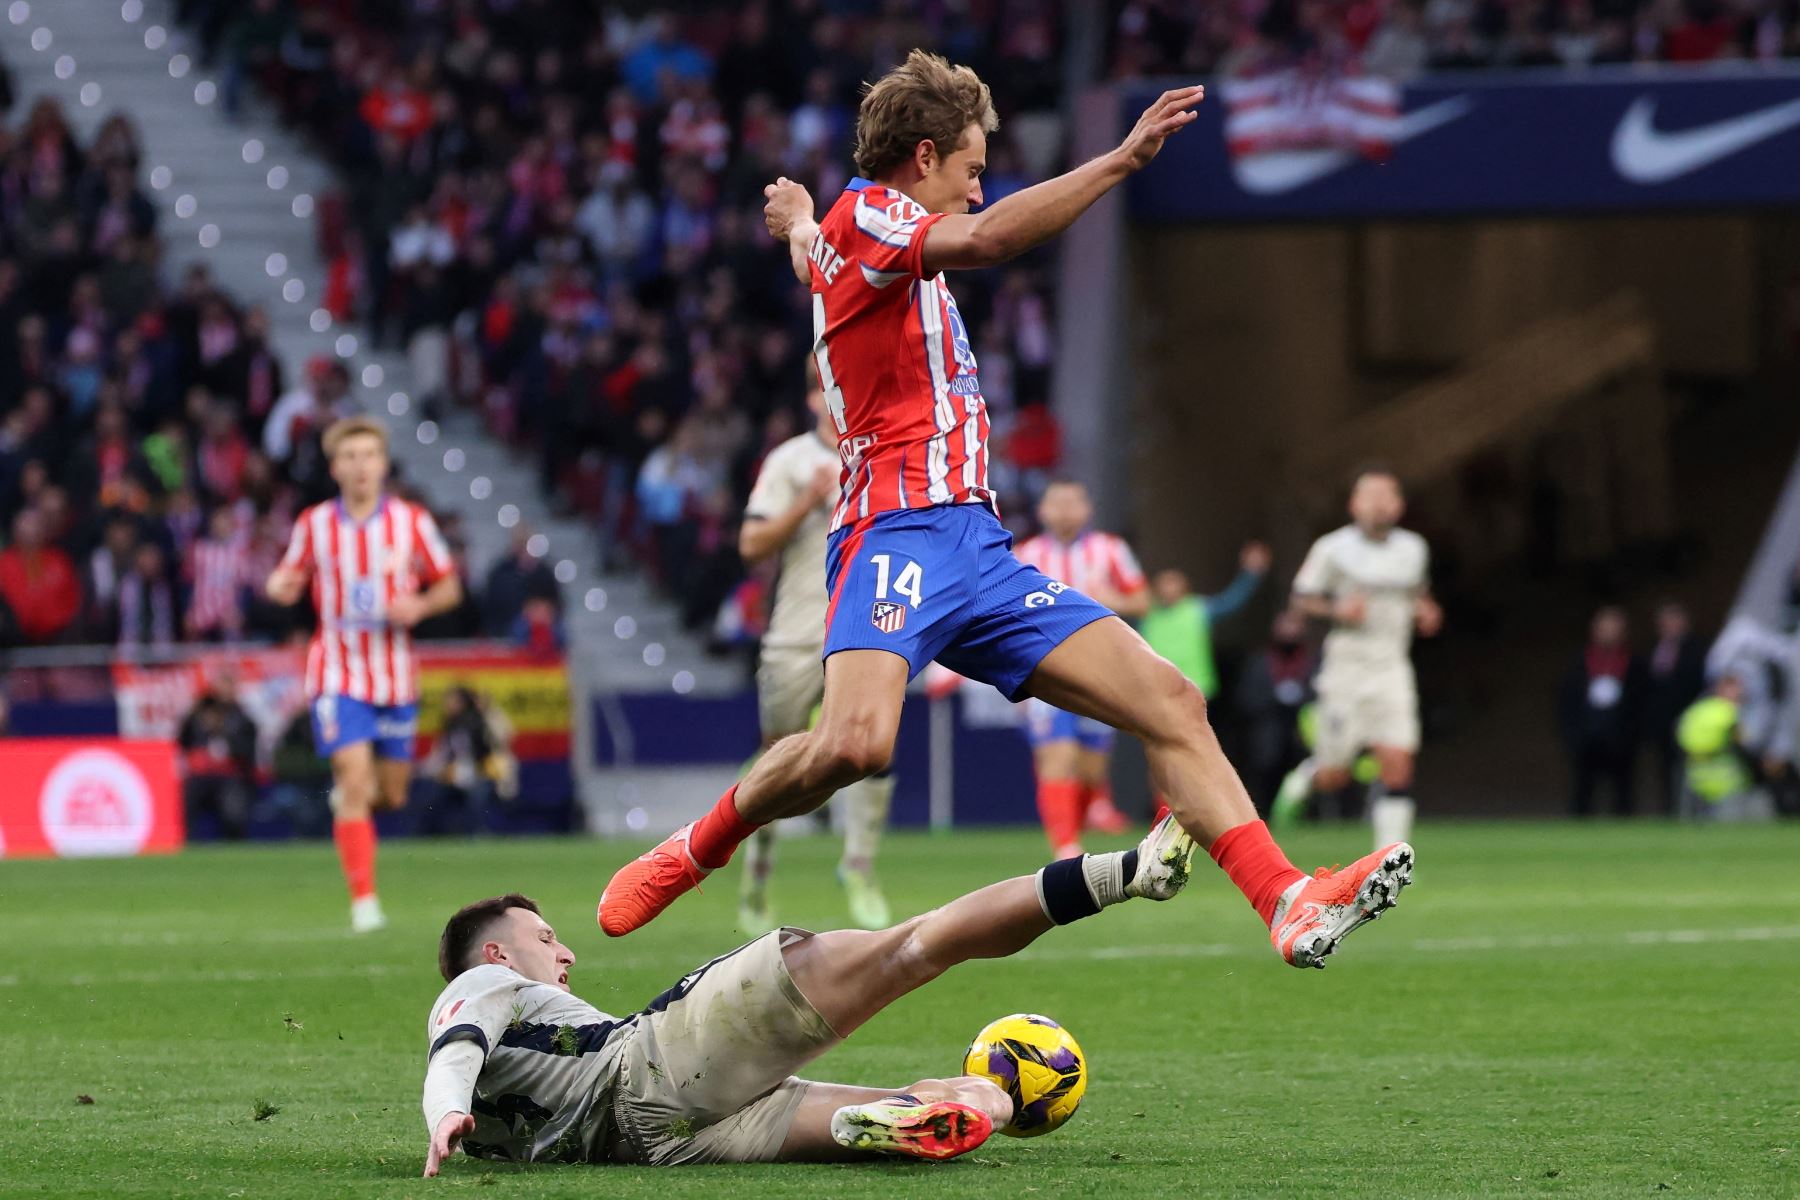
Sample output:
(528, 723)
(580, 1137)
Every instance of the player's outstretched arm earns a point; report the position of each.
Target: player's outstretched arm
(1035, 215)
(444, 1139)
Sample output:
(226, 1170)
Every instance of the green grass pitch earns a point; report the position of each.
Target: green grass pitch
(1600, 1010)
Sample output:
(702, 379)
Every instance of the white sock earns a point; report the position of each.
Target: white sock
(1392, 817)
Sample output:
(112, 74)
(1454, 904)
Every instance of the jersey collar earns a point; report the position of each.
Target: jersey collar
(343, 512)
(858, 184)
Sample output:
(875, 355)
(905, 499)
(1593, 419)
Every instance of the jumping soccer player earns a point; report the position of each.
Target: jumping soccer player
(520, 1069)
(366, 554)
(1370, 580)
(920, 567)
(789, 513)
(1072, 755)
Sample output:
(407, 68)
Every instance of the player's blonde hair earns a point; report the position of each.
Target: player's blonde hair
(340, 430)
(922, 99)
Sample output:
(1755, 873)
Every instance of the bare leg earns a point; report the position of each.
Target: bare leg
(809, 1137)
(1108, 672)
(854, 738)
(353, 777)
(393, 776)
(849, 975)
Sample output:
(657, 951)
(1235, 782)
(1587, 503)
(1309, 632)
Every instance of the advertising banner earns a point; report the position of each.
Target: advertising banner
(531, 690)
(86, 798)
(1289, 145)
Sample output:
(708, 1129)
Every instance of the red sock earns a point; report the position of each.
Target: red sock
(1256, 864)
(1162, 809)
(719, 832)
(1059, 807)
(356, 851)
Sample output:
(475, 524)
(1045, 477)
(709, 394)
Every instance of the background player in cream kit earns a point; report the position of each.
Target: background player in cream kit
(1370, 579)
(789, 513)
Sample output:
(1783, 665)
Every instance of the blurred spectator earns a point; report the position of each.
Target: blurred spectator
(1179, 624)
(148, 610)
(1275, 684)
(38, 582)
(1674, 677)
(218, 574)
(471, 763)
(218, 758)
(1599, 706)
(515, 580)
(302, 780)
(1719, 782)
(539, 627)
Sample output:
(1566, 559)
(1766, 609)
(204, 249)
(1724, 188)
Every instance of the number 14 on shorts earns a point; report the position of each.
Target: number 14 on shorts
(907, 585)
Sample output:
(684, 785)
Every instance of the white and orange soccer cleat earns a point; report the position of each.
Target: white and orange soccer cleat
(904, 1125)
(1318, 913)
(649, 883)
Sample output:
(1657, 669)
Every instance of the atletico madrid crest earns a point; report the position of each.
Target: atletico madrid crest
(888, 616)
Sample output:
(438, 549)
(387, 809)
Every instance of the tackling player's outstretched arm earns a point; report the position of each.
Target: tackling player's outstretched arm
(449, 1084)
(1033, 216)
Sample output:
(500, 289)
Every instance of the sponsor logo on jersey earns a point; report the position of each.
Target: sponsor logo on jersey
(451, 1011)
(96, 802)
(888, 616)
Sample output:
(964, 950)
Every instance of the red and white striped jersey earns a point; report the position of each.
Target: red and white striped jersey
(358, 569)
(219, 571)
(1093, 558)
(895, 361)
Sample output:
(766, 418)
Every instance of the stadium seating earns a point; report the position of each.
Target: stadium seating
(558, 217)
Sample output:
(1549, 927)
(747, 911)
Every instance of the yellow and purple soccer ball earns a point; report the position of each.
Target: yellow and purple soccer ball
(1037, 1063)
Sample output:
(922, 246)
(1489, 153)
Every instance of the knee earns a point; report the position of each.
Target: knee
(1177, 709)
(858, 752)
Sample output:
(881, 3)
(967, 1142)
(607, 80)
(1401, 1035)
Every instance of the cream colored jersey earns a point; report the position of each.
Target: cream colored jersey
(545, 1092)
(1390, 573)
(798, 618)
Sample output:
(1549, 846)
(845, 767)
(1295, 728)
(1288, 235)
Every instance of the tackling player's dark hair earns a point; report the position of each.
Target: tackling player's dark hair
(467, 929)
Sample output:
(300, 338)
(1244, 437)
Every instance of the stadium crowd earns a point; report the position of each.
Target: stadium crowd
(153, 453)
(555, 208)
(1401, 38)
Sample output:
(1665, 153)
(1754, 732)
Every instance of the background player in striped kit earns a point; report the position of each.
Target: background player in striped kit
(788, 514)
(366, 554)
(1072, 755)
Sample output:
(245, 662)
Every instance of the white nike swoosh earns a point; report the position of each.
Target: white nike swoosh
(1644, 154)
(1278, 171)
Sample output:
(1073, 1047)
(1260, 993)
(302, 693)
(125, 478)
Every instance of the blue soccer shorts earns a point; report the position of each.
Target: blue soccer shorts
(943, 583)
(339, 721)
(1045, 725)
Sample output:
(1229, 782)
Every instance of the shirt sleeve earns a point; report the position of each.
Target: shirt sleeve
(299, 556)
(1316, 577)
(450, 1081)
(476, 1007)
(893, 230)
(775, 489)
(433, 549)
(1127, 575)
